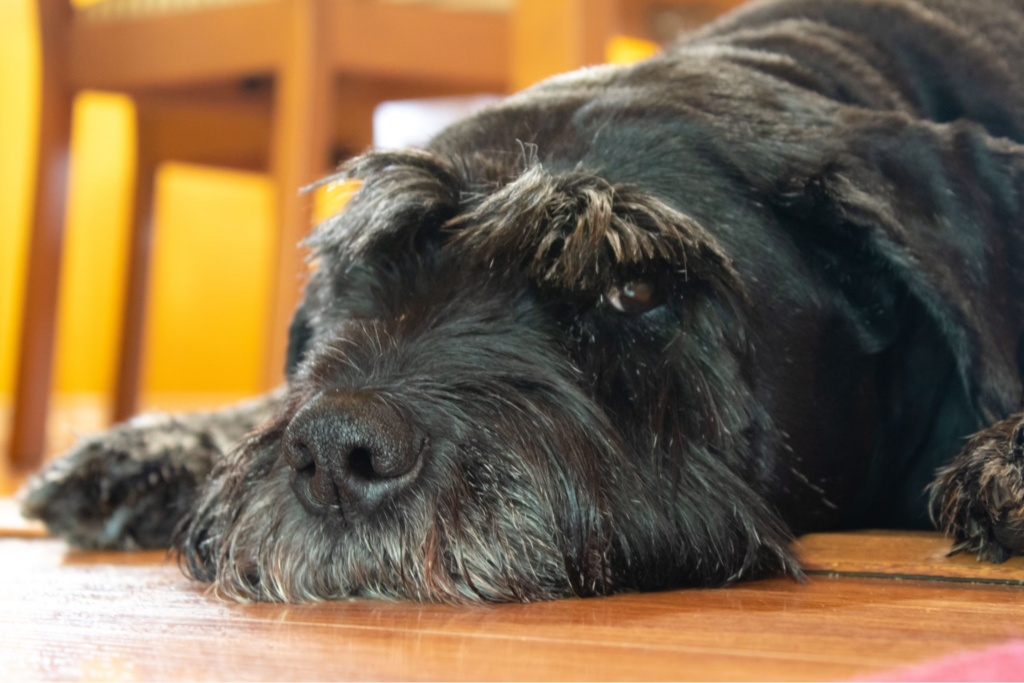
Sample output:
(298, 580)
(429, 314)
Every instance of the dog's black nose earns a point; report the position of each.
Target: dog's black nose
(350, 452)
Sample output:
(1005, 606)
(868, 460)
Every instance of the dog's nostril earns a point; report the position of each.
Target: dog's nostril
(304, 458)
(350, 451)
(307, 471)
(297, 453)
(360, 464)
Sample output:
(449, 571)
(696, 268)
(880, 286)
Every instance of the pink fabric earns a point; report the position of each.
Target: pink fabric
(1002, 663)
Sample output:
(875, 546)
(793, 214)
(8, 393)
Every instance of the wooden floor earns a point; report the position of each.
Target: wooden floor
(872, 601)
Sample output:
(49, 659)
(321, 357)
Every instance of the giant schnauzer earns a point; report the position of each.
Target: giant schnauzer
(632, 329)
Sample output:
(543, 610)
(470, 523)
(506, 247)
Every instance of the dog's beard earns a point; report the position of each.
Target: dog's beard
(546, 502)
(544, 477)
(479, 526)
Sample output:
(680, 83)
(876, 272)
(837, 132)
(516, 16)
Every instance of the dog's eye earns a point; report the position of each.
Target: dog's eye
(634, 297)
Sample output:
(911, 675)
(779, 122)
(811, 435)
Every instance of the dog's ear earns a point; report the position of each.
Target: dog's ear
(937, 211)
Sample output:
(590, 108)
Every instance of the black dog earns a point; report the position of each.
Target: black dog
(633, 329)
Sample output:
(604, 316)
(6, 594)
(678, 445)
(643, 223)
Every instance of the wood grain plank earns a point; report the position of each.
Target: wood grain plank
(905, 554)
(135, 617)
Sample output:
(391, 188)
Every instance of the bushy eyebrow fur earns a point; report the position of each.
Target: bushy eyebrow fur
(572, 230)
(575, 230)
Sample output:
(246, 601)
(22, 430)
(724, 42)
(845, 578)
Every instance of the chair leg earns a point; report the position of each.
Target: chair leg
(32, 390)
(299, 155)
(129, 369)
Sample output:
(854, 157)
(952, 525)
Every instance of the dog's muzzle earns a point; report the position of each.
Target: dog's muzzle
(350, 453)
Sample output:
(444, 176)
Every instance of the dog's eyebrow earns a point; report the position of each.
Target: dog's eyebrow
(571, 230)
(400, 192)
(574, 230)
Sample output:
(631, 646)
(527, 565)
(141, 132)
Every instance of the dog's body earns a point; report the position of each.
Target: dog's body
(632, 329)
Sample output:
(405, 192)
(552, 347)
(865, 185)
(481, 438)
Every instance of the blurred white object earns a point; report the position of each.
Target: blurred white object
(411, 123)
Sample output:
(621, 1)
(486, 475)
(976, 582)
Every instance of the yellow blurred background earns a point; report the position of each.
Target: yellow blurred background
(209, 282)
(19, 65)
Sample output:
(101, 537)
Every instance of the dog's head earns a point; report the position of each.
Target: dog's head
(502, 387)
(511, 381)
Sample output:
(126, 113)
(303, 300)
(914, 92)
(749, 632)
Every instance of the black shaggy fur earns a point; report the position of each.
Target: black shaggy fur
(640, 326)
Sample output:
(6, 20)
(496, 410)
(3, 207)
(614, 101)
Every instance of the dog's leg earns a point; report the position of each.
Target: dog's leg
(129, 486)
(979, 497)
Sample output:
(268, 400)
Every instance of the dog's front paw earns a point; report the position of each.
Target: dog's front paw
(979, 497)
(126, 488)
